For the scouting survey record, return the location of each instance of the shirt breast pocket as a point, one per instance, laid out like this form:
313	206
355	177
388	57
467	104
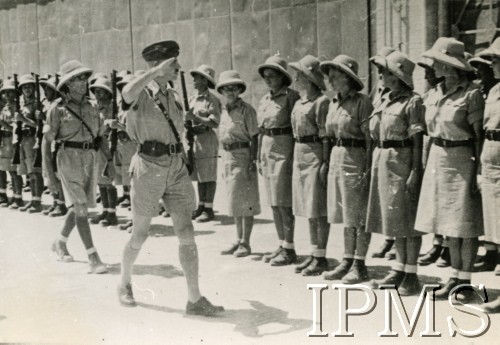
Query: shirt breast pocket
394	122
453	112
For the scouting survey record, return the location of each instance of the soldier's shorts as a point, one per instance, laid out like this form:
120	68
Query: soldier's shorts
78	173
164	178
27	157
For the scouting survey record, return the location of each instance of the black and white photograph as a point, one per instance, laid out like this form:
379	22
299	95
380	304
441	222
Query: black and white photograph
249	172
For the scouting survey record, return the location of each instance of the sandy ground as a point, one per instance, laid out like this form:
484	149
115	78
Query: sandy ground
43	301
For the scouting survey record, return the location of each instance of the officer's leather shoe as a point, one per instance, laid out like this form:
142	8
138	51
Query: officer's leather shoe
203	307
393	278
50	209
36	207
487	262
431	256
357	274
243	250
341	270
196	213
316	267
62	252
231	249
386	246
444	259
99	217
59	211
26	207
443	293
3	199
126	296
300	267
206	216
492	307
270	256
286	257
110	220
410	285
17	203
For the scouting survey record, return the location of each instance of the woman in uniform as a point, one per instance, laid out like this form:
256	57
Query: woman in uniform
276	154
350	162
310	161
238	135
204	111
450	203
7	122
397	125
490	160
77	127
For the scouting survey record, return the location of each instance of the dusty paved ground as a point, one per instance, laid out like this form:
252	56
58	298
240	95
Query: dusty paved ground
49	302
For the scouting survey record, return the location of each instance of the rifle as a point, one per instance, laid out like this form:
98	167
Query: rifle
113	136
39	127
16	159
57	146
188	125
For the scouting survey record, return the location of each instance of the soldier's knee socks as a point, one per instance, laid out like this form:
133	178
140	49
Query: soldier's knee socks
112	198
103	190
210	191
3	181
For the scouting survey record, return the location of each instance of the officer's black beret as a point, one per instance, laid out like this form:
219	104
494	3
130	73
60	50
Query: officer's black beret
161	51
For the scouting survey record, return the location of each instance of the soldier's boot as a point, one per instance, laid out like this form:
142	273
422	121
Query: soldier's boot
492	307
444	259
97	219
393	278
16	203
59	211
206	216
270	256
286	257
340	271
487	262
51	208
442	294
431	256
357	274
196	213
316	267
410	285
26	207
110	220
36	207
386	246
103	190
300	267
4	200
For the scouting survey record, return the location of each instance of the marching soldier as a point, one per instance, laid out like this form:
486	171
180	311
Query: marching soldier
78	128
58	208
155	121
28	117
7	119
101	88
205	109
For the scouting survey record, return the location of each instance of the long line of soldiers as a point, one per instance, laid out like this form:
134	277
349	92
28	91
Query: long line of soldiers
348	160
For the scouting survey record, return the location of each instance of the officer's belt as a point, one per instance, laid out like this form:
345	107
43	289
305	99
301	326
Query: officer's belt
387	144
450	143
157	149
28	131
277	131
235	146
6	133
308	139
493	135
347	142
85	145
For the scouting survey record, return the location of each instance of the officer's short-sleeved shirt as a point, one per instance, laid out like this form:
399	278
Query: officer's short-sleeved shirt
206	105
309	116
238	123
275	110
399	116
62	125
348	117
449	115
492	109
145	120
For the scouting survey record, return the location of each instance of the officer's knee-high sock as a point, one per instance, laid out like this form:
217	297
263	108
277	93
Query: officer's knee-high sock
455	245
201	193
104	197
362	243
39	184
112	198
3	182
350	238
323	232
313	232
69	223
17	184
188	256
468	253
210	191
131	250
278	223
82	224
32	179
413	245
288	223
401	250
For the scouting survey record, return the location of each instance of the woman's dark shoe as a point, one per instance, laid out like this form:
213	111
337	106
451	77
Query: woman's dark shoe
126	296
410	285
340	271
300	267
317	266
386	246
392	278
444	292
431	256
286	257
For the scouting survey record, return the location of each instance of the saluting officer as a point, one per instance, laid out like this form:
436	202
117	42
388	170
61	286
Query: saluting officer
155	121
26	167
205	110
7	119
78	128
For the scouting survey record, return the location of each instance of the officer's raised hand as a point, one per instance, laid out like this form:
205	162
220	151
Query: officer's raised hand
168	68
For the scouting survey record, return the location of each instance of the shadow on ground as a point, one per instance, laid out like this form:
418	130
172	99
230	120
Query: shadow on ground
165	271
248	321
2	317
226	220
160	230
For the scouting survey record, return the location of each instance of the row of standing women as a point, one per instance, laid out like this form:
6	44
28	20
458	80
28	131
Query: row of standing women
349	161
